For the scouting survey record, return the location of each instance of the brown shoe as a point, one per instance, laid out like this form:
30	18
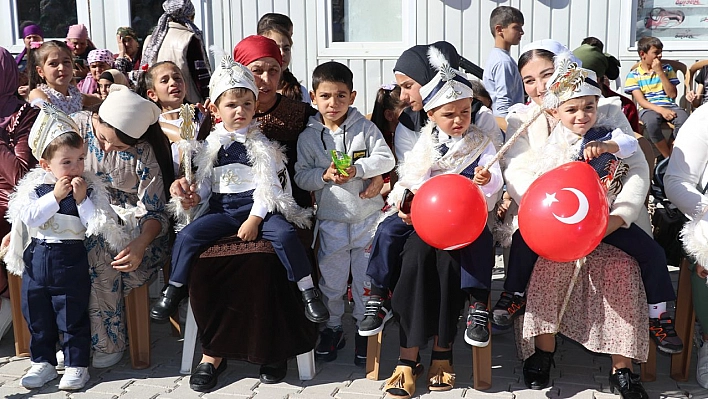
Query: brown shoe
401	385
441	376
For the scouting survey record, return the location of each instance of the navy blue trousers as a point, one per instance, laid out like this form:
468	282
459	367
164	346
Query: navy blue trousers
476	260
226	214
633	241
55	296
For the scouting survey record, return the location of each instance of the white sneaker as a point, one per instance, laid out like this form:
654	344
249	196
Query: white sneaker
5	316
104	360
38	375
74	378
702	366
60	360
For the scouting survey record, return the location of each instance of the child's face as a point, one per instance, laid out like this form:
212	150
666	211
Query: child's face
333	100
285	46
578	114
453	118
236	111
650	55
78	46
66	162
103	86
169	90
512	33
57	69
97	68
410	91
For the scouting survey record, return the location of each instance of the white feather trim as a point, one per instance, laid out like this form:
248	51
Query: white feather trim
694	236
218	52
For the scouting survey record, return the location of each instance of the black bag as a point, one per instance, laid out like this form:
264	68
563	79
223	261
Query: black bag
667	220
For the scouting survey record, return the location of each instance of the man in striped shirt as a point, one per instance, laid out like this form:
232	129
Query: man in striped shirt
653	87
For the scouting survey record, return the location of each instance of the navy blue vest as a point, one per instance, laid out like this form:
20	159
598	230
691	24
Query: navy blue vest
602	163
67	206
236	153
468	172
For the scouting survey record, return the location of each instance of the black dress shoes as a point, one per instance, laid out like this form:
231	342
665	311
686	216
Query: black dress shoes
273	373
315	310
205	376
167	304
537	369
628	384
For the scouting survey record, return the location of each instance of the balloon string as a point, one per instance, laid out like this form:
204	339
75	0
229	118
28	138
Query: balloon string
522	129
578	265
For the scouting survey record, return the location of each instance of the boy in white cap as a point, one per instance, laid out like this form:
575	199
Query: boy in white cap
240	179
53	209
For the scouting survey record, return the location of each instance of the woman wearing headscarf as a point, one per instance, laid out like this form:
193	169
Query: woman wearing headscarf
16	119
30	33
177	39
129	51
127	150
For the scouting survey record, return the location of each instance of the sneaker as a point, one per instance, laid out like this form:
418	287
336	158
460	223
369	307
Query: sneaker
330	341
38	375
662	331
377	312
5	316
702	365
74	378
508	307
361	343
477	331
105	360
60	361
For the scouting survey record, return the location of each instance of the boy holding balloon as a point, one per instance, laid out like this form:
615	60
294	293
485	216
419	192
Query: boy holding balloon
449	144
572	98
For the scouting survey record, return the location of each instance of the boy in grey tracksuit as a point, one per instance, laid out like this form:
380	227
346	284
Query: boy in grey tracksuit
346	212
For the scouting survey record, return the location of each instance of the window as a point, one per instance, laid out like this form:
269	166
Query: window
365	27
144	15
54	17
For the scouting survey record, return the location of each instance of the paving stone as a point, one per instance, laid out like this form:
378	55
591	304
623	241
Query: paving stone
369	387
471	393
217	395
92	395
354	395
306	396
322	388
142	392
520	391
115	387
183	391
164	382
453	393
15	369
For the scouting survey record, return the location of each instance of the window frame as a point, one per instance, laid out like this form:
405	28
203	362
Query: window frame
82	16
327	48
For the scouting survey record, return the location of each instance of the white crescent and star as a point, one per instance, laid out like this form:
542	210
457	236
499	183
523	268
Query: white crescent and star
579	215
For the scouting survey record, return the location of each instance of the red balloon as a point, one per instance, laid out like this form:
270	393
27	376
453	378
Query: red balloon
449	212
564	214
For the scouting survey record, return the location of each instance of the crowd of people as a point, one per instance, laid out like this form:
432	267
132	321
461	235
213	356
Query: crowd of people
116	165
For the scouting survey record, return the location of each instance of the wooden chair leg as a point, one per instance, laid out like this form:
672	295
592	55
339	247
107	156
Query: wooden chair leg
648	372
482	362
19	325
373	356
685	321
137	305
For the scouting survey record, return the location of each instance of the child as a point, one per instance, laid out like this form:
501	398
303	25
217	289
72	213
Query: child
700	95
345	215
107	79
578	136
238	176
653	87
501	74
51	73
451	135
99	61
58	207
77	39
387	107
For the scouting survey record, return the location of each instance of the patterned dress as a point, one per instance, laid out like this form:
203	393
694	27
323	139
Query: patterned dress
67	104
135	184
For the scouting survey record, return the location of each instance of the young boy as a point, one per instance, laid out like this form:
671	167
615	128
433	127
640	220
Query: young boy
501	74
239	183
611	153
653	87
346	214
700	95
57	207
450	135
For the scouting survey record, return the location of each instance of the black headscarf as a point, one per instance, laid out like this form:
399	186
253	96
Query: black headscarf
414	64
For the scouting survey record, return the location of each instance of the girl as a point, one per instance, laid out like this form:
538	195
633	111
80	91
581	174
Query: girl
164	84
107	79
99	61
288	86
50	74
385	116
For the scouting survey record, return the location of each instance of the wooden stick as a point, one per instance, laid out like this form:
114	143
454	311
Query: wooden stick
522	129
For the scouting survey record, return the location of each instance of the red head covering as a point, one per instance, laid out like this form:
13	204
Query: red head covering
254	47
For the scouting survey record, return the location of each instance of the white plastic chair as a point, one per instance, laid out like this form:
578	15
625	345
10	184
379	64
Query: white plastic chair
305	361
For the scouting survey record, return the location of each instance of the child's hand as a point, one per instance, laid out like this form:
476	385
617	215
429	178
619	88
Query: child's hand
481	176
373	189
503	206
656	66
690	95
341	179
249	229
78	184
594	149
667	114
181	188
62	188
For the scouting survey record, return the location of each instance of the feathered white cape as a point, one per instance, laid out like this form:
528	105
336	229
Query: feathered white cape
104	222
260	151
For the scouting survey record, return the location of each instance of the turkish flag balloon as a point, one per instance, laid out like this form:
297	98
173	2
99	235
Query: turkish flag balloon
449	212
563	215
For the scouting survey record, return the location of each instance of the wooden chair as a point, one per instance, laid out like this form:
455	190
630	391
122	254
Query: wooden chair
685	320
691	71
137	308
